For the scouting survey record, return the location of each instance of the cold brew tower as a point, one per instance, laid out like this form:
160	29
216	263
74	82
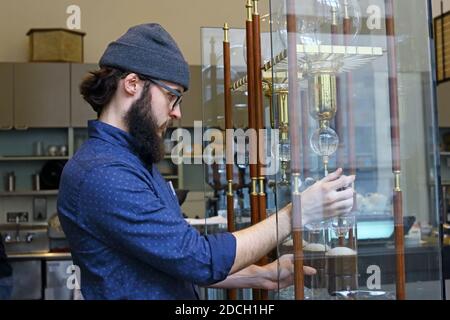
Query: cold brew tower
340	86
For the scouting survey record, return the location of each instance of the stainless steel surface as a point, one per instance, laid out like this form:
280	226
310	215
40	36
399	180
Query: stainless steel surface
57	275
20	238
27	280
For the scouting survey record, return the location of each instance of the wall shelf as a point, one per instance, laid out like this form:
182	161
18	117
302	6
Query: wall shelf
29	193
30	158
171	177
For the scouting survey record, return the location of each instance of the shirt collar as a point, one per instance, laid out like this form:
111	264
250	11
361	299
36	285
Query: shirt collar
111	134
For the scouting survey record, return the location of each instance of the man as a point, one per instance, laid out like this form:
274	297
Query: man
123	221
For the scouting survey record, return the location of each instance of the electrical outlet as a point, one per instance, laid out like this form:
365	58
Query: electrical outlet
12	216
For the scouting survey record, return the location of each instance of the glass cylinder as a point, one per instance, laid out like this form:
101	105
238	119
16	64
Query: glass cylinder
314	256
342	259
322	96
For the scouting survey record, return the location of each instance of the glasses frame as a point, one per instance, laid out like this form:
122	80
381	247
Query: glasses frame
175	92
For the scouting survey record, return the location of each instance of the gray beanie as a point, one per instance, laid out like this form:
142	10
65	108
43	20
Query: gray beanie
149	50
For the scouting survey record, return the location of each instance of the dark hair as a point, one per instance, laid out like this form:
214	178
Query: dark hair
98	87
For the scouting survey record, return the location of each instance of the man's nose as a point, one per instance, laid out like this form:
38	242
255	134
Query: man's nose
176	112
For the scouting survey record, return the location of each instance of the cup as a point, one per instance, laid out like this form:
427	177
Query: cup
63	150
38	148
52	151
36	182
11	182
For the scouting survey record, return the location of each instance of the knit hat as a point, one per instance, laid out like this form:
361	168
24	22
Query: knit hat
149	50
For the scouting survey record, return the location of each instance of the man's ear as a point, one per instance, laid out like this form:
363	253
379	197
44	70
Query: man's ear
131	84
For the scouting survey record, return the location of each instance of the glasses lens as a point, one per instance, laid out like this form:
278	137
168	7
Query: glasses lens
177	96
177	102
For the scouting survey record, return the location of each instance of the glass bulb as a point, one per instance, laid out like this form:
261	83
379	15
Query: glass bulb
341	225
324	141
352	10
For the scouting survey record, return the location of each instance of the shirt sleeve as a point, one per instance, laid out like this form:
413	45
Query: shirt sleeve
123	210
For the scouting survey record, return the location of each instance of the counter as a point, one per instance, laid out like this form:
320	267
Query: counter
43	256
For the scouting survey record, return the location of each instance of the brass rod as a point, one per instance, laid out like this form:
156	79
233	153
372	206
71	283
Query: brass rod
259	120
254	205
249	7
225	32
294	125
232	293
395	146
305	141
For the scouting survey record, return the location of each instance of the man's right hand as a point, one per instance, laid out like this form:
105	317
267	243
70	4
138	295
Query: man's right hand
320	201
323	200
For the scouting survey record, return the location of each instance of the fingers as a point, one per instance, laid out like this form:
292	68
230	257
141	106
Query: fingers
333	176
287	261
342	207
287	256
343	195
341	182
309	271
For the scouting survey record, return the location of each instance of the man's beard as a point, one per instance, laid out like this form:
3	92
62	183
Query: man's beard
142	126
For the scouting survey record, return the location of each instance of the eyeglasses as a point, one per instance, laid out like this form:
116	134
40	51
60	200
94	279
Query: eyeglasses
175	96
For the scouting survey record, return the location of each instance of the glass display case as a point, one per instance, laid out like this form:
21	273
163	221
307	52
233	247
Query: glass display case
310	86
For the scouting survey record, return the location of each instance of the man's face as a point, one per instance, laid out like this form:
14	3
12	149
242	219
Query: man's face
164	106
148	119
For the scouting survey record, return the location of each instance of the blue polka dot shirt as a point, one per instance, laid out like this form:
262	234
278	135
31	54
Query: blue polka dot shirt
125	227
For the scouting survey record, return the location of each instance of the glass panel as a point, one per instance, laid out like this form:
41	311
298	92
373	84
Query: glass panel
341	89
213	126
363	102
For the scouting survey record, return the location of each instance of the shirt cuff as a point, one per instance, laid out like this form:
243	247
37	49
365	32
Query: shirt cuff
223	253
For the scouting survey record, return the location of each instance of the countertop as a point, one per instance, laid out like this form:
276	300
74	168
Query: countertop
44	256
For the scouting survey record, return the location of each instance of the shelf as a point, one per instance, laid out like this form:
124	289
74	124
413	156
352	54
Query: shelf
168	156
349	57
30	158
445	153
29	193
170	177
45	256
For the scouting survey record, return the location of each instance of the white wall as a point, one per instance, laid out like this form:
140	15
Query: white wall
106	20
436	6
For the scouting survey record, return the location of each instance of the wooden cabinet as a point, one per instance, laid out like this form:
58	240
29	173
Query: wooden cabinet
443	103
46	95
41	95
191	107
80	110
6	96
